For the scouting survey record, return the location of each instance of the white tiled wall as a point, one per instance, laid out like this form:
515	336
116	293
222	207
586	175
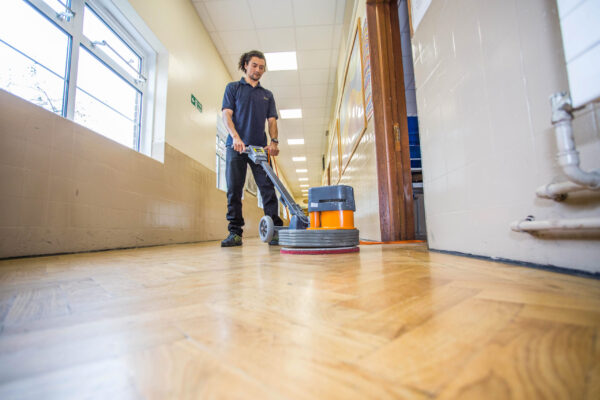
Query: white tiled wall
581	40
484	72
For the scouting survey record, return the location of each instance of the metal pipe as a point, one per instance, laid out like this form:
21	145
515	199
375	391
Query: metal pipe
568	156
558	191
529	224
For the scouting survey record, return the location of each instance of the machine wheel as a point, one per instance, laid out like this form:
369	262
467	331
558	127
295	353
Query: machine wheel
266	229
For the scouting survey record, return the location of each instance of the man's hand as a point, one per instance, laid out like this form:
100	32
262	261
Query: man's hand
272	149
238	145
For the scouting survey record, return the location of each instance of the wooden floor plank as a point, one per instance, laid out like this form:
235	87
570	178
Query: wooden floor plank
201	321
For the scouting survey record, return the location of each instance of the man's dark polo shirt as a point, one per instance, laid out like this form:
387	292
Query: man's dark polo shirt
251	107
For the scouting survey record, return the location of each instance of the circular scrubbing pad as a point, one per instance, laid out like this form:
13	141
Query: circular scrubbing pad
313	250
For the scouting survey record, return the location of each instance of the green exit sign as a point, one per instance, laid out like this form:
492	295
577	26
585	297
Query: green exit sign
196	103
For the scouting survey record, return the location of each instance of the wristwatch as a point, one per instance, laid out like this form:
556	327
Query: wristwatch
275	141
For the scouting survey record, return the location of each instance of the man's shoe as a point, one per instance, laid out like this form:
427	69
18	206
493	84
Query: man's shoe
275	240
232	240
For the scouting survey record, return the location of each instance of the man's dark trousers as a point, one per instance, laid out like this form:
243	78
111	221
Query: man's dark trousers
237	165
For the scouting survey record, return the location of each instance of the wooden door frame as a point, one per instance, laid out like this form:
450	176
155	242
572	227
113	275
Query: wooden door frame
390	122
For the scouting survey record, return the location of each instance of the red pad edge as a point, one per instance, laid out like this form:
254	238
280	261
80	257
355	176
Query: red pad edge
320	251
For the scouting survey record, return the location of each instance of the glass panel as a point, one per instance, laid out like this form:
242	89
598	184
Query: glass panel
222	177
105	102
28	31
98	117
34	56
58	5
30	81
96	30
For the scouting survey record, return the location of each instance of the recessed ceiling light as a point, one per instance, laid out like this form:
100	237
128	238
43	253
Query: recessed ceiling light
303	185
298	159
291	113
301	170
302	179
282	61
304	190
295	141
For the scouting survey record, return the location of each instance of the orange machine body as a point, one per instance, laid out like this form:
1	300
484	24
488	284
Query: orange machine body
336	219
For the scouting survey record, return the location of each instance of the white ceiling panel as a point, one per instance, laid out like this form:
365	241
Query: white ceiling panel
314	90
314	113
272	13
230	15
283	78
314	37
232	64
313	59
289	103
275	40
216	39
239	42
334	55
339	13
314	76
332	75
305	15
337	34
308	102
286	91
204	16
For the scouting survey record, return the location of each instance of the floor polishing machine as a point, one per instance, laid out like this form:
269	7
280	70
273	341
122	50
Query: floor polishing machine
329	228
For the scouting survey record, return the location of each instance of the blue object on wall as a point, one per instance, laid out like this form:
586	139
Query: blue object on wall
414	144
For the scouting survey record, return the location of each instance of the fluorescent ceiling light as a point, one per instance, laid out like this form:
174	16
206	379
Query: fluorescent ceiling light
303	185
301	170
298	159
295	141
291	113
304	190
282	61
302	179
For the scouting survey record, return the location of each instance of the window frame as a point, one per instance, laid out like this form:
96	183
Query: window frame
122	20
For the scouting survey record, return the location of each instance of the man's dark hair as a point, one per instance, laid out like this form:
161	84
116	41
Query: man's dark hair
246	57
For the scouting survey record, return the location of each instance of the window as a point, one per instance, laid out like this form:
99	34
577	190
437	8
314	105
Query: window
83	60
221	151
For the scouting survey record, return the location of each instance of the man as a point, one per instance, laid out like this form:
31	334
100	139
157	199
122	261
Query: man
246	107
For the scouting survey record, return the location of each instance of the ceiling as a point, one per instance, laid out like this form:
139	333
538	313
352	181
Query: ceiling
311	28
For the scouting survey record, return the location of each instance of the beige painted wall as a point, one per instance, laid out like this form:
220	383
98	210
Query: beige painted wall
194	67
361	172
64	188
484	73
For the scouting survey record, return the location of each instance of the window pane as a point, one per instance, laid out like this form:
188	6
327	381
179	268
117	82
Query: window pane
105	102
25	29
28	80
97	31
222	176
34	56
98	117
58	5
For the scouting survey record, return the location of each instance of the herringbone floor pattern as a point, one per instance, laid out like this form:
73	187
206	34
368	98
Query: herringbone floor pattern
197	321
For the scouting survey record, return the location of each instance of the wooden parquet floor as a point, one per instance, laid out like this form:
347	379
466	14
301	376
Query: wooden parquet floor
197	321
